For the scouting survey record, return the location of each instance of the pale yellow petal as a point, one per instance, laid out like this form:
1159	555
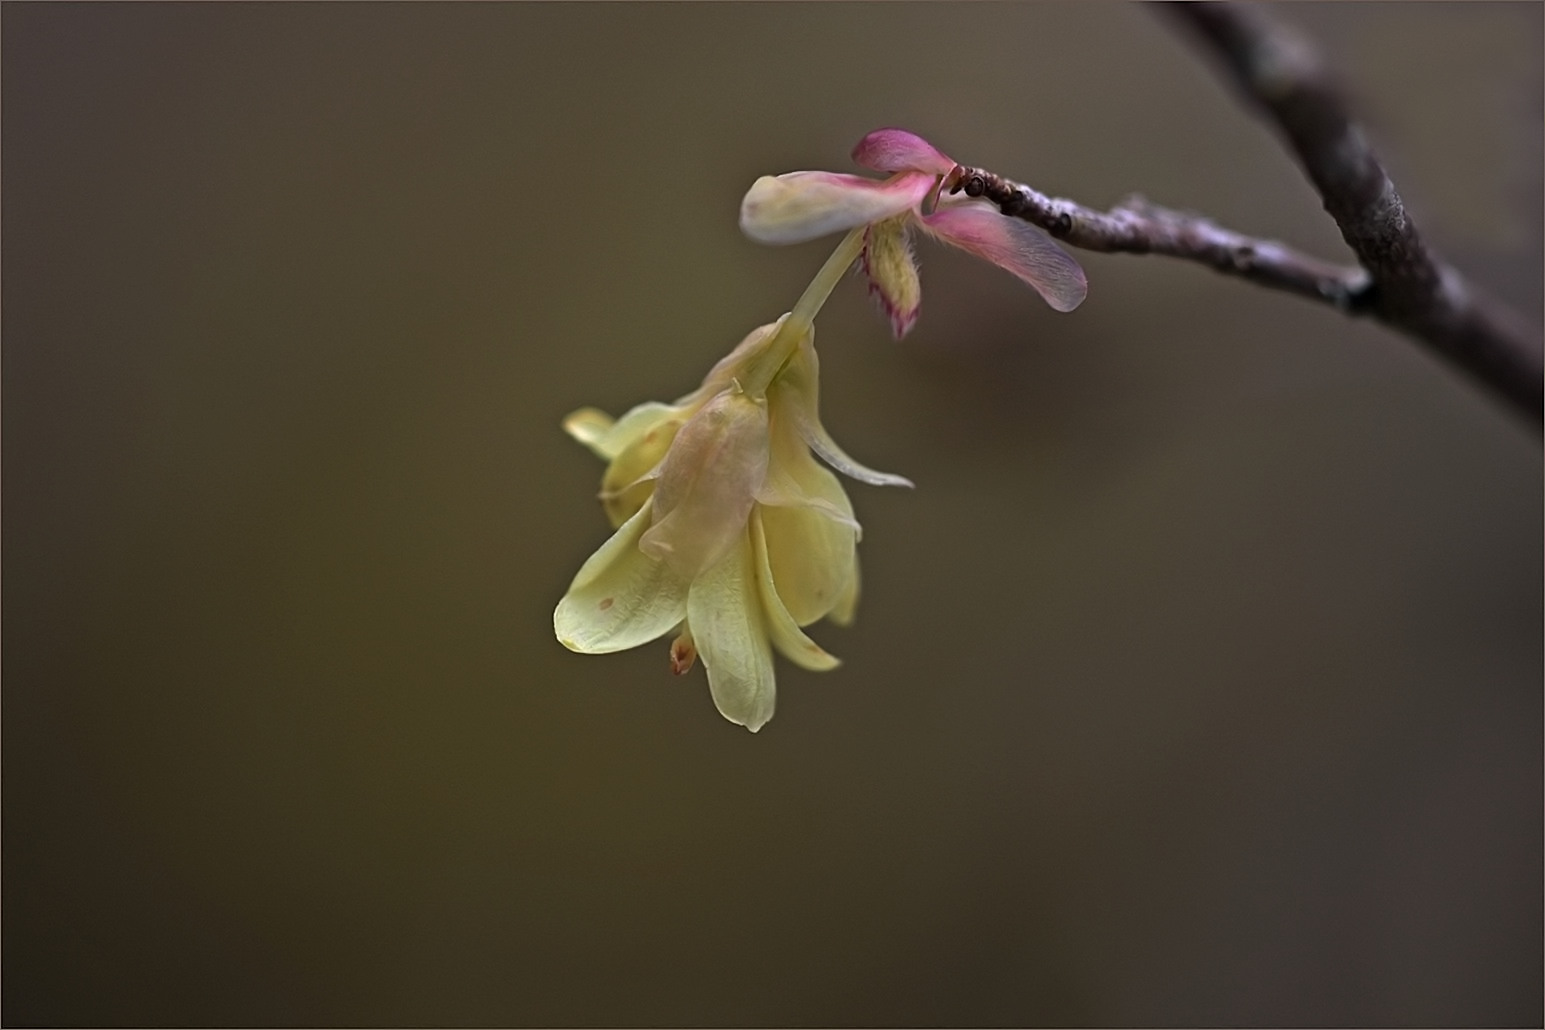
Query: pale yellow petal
632	445
627	430
621	597
811	558
621	505
731	638
786	635
808	522
628	480
589	426
847	602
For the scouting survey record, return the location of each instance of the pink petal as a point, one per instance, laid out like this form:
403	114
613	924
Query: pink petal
801	206
897	150
1014	246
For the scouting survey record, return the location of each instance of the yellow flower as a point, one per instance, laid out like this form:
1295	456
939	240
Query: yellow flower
727	528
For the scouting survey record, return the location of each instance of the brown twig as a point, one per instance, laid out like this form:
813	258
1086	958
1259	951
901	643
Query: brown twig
1412	289
1137	227
1401	282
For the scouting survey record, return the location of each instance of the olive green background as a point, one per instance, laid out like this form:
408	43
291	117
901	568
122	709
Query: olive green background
1198	681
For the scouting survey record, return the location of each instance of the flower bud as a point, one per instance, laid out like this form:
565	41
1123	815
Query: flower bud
892	271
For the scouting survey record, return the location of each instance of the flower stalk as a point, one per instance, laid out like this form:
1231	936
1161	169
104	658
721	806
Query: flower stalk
800	321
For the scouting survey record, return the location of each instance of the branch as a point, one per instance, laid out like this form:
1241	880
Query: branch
1401	282
1137	227
1413	290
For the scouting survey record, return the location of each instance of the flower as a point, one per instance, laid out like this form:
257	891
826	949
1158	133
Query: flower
799	206
727	528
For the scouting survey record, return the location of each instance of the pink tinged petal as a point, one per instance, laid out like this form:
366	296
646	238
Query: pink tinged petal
897	150
785	633
707	484
731	638
621	597
892	272
1016	247
801	206
800	380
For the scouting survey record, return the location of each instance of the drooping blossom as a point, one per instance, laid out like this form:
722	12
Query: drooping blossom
728	531
799	206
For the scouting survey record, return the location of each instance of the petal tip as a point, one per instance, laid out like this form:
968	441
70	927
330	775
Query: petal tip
756	212
799	206
1071	297
901	319
588	425
898	150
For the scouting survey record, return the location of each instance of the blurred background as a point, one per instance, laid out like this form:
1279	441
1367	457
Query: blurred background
1198	681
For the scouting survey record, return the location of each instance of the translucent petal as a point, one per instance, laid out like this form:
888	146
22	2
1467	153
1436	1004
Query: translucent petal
801	206
708	482
897	150
786	635
810	538
1016	247
728	631
621	597
780	496
800	378
892	273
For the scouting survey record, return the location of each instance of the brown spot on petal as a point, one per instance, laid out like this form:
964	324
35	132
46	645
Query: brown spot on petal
606	602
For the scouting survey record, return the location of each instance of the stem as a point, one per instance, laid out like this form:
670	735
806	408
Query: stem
799	323
802	318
